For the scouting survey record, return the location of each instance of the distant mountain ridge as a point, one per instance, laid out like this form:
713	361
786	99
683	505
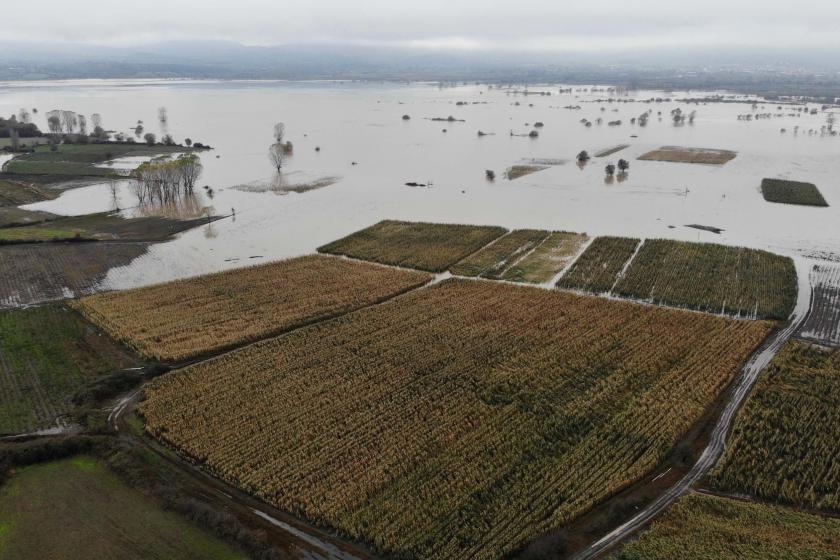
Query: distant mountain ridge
803	72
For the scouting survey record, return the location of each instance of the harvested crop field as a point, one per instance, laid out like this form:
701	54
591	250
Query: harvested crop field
520	170
46	355
677	154
823	322
457	421
548	259
34	273
77	508
211	313
493	260
784	443
432	247
792	192
597	269
702	527
712	278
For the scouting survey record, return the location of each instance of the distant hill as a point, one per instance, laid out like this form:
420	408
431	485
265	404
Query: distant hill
811	72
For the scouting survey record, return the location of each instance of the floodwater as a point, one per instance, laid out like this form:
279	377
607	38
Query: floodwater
355	132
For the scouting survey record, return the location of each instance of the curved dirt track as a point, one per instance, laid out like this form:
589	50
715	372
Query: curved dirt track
717	443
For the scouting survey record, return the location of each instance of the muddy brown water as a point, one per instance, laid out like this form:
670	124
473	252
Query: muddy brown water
363	140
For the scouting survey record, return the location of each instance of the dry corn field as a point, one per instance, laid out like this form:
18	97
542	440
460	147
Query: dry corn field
548	259
701	527
456	421
823	322
713	278
493	260
432	247
785	441
197	316
597	269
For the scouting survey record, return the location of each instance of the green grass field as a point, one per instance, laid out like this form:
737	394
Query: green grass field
784	443
46	355
81	159
701	527
792	192
14	193
76	508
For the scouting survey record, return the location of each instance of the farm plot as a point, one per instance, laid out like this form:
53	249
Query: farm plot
520	170
548	259
455	422
36	273
713	278
100	226
15	193
211	313
46	355
597	269
677	154
492	261
432	247
610	151
784	444
701	527
823	322
77	508
792	192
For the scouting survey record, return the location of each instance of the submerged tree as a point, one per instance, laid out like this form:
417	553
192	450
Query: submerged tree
150	138
165	180
610	170
623	165
279	132
275	155
163	115
82	125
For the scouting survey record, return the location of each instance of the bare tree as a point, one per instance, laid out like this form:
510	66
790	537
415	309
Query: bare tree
279	132
13	133
82	125
69	121
54	121
150	138
275	155
163	116
138	130
96	120
23	116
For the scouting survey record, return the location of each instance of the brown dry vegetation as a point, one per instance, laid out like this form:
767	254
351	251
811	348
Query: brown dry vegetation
432	247
677	154
517	171
197	316
458	421
701	527
493	260
548	259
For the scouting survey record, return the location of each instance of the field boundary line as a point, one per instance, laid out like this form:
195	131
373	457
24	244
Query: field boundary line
556	278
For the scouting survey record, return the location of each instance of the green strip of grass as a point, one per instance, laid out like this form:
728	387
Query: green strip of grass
76	508
792	192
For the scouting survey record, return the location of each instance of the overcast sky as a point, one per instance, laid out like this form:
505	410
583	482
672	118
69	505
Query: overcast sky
465	24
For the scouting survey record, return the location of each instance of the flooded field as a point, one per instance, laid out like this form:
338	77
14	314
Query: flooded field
355	135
